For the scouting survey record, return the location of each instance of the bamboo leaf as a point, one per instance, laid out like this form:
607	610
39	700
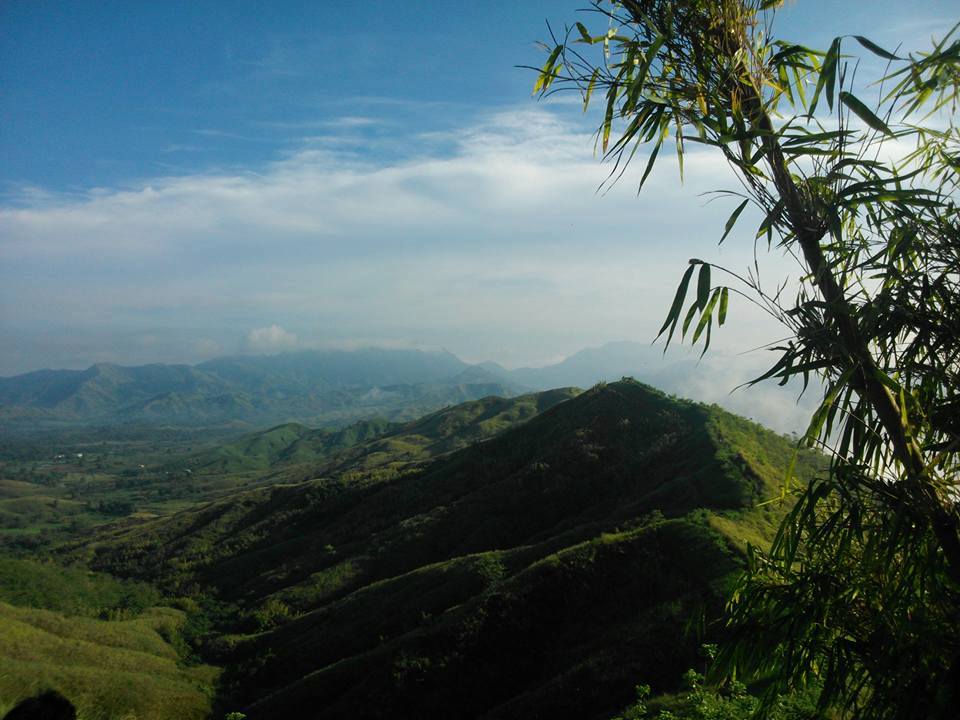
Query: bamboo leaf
548	73
705	317
608	117
828	71
864	113
651	55
703	286
820	152
806	138
732	220
706	342
674	315
834	58
781	364
766	227
722	312
584	34
589	90
650	162
875	49
799	85
691	313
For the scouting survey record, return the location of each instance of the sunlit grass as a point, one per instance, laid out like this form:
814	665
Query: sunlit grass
108	669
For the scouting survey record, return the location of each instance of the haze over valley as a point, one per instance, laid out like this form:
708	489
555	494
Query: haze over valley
334	387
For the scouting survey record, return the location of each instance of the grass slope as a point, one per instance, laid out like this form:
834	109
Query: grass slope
541	573
107	669
98	640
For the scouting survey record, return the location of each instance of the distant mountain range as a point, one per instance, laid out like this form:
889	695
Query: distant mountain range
335	388
324	388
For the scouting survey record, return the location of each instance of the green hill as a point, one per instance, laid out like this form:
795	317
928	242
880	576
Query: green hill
542	573
294	451
98	641
290	443
445	431
53	488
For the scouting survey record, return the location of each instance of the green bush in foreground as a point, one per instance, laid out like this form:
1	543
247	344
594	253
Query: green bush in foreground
703	702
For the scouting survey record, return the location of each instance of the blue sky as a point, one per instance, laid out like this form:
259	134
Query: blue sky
103	93
180	180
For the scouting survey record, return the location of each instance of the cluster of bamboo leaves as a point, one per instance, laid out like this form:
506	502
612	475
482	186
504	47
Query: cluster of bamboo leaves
861	590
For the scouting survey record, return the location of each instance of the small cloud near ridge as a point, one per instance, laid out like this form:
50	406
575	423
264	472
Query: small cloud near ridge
270	339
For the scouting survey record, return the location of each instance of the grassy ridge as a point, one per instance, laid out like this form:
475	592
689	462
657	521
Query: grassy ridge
56	487
295	452
287	444
551	567
269	538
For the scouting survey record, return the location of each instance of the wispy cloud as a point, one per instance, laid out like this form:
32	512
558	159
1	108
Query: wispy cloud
341	122
179	148
228	135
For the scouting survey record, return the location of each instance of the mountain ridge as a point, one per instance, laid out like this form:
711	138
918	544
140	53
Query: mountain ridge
489	582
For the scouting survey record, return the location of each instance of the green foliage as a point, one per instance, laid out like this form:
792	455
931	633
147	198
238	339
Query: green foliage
860	589
287	444
98	640
702	702
270	614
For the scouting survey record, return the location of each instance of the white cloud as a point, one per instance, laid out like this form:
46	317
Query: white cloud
272	339
525	167
489	240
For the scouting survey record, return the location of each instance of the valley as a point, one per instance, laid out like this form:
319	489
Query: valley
529	556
